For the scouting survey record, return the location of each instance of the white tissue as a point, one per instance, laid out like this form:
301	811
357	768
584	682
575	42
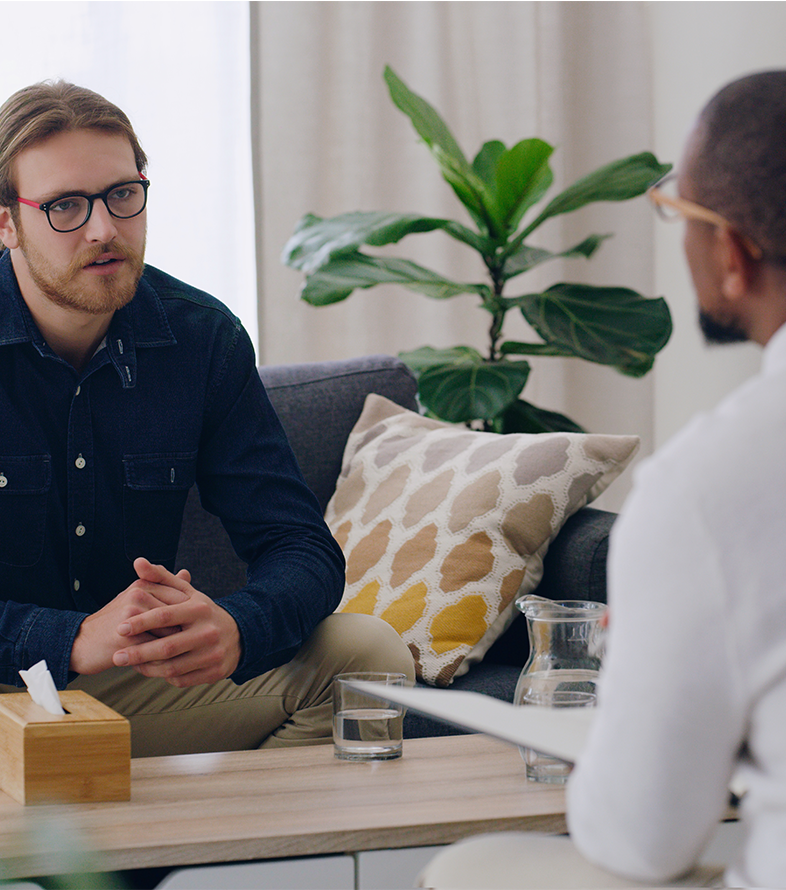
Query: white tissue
42	688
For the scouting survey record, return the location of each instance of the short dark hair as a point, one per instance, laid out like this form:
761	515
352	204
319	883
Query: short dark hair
738	166
35	113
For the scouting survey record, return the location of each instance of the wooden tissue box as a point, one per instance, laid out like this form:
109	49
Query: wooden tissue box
83	755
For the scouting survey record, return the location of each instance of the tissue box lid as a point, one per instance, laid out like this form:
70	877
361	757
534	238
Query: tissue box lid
21	709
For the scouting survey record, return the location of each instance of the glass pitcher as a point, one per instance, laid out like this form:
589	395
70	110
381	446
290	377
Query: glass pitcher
566	647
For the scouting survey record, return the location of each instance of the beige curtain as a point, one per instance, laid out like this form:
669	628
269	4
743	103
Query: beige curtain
329	140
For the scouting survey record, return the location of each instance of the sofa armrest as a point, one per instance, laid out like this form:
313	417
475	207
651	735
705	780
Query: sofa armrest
574	569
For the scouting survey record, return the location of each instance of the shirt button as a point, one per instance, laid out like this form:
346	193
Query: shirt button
80	530
78	390
80	463
77	585
3	481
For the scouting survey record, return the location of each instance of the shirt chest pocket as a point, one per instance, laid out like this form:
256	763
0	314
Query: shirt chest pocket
154	495
24	491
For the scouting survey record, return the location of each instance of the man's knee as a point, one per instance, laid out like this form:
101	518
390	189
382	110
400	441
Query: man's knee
365	643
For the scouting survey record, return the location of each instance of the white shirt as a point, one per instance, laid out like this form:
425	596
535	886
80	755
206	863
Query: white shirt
696	657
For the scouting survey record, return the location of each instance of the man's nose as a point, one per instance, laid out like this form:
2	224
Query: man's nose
101	225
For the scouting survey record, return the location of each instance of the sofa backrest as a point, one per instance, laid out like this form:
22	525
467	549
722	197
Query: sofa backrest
318	403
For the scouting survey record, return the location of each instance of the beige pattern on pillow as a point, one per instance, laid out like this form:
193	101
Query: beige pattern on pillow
443	527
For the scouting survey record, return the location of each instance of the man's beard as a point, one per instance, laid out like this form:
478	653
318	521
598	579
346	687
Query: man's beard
98	295
720	332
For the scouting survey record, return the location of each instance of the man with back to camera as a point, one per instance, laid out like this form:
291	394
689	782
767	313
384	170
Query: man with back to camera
119	388
694	682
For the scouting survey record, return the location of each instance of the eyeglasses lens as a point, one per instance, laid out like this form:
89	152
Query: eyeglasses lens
68	213
126	200
667	192
72	212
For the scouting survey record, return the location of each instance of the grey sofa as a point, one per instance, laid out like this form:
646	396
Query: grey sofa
318	404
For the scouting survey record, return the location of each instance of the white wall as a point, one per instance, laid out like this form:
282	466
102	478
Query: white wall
696	48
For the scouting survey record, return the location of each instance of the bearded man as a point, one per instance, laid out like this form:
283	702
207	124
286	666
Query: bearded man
120	388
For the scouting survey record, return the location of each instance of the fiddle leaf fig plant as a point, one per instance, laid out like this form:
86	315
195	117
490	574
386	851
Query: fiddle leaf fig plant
609	325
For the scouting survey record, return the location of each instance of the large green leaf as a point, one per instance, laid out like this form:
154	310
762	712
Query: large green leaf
426	357
336	280
515	179
425	119
486	160
526	258
554	350
609	325
470	189
522	178
618	181
469	388
524	417
316	240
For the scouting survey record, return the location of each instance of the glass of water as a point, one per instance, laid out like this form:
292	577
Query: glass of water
365	727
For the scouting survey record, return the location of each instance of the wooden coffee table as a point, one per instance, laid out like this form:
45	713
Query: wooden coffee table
251	805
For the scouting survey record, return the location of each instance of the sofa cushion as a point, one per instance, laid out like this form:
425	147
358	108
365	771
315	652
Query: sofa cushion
443	527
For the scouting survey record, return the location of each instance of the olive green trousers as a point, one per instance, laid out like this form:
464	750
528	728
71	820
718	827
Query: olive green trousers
289	705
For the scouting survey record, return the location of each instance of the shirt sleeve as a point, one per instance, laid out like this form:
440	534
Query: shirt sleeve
653	780
31	633
248	476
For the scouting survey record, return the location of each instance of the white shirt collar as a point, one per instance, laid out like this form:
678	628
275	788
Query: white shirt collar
775	351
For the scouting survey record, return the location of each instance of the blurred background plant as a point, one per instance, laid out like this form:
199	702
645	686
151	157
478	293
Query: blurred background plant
613	326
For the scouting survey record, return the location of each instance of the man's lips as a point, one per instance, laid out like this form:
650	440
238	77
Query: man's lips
105	264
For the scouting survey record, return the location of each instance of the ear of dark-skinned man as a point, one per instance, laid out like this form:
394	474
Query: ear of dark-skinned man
739	270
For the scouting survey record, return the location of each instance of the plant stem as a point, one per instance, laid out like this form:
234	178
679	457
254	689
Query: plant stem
495	331
497	312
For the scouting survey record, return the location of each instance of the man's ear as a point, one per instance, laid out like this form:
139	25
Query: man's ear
739	268
8	233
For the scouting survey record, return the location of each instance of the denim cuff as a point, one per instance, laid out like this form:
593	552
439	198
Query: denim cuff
49	634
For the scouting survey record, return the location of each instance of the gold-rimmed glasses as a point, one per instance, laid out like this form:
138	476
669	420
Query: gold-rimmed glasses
672	207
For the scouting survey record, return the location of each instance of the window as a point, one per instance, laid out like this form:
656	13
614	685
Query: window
180	70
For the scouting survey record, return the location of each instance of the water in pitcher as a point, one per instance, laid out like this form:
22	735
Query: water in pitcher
555	689
541	686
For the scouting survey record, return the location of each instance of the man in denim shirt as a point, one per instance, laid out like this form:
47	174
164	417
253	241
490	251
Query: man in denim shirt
119	388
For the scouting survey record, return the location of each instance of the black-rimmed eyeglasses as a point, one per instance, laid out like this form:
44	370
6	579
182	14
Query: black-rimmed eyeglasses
70	212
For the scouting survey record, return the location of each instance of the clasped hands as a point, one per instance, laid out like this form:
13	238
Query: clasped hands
162	627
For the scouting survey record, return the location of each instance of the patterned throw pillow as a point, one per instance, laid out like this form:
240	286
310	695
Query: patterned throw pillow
443	527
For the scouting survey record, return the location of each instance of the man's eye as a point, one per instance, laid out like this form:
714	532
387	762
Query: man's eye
65	205
121	194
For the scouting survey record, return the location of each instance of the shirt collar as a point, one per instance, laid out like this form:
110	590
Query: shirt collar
774	357
142	323
16	323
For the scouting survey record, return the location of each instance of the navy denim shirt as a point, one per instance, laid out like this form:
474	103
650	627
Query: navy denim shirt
95	467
